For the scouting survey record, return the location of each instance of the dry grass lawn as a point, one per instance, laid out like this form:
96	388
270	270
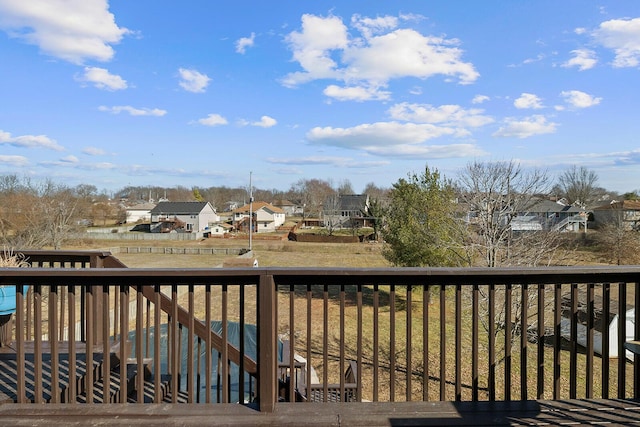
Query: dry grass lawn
269	253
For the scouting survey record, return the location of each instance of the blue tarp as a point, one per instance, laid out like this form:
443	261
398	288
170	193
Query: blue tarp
8	299
233	334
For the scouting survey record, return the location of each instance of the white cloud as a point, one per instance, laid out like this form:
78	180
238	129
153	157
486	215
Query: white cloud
537	58
29	141
70	159
13	160
193	81
479	99
528	101
448	115
342	162
93	151
243	43
380	133
117	109
312	48
428	151
311	160
356	93
623	37
392	139
530	126
578	99
73	30
371	26
265	122
375	59
584	59
213	120
102	79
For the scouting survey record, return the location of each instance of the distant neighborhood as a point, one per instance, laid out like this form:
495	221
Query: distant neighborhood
202	219
353	211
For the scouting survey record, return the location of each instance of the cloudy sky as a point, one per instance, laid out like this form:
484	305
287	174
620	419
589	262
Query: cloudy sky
201	93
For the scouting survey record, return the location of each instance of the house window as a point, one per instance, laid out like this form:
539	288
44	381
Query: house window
189	227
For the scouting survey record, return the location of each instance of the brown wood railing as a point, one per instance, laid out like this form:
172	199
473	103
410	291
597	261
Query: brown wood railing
401	334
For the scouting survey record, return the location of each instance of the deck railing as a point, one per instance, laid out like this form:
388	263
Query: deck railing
353	334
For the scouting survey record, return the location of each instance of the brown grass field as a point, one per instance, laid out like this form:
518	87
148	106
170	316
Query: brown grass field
269	253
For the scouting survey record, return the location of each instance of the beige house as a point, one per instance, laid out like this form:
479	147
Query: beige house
266	217
139	212
626	211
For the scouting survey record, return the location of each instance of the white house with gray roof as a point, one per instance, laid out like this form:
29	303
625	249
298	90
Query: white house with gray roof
183	217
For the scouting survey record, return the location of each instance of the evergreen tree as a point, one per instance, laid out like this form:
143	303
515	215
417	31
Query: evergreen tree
421	226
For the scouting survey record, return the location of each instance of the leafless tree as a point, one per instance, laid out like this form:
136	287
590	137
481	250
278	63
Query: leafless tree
579	186
494	193
345	187
38	215
619	240
378	193
331	213
311	193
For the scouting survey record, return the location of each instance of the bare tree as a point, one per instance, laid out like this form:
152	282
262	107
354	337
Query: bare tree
54	213
345	187
494	193
37	215
579	186
619	240
331	213
311	193
375	192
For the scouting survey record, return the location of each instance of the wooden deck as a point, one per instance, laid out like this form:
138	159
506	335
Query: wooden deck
8	376
574	412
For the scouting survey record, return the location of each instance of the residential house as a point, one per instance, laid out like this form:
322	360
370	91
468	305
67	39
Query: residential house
551	216
266	217
288	207
139	212
626	211
189	217
346	211
218	230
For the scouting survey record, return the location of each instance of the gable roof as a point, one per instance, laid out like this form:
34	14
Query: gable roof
349	202
179	208
282	202
147	206
627	205
550	206
257	206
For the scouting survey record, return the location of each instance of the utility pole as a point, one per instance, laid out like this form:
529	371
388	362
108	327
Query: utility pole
250	211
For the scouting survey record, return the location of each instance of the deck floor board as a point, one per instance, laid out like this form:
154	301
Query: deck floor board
578	412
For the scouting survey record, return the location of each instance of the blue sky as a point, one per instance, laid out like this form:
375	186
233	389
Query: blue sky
201	93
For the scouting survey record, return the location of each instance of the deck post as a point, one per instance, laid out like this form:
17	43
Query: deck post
267	330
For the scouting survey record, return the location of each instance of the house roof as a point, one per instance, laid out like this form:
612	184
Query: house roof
282	202
141	207
627	205
257	206
551	206
353	202
179	208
